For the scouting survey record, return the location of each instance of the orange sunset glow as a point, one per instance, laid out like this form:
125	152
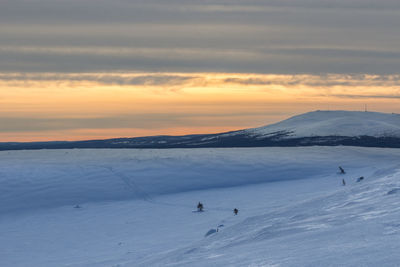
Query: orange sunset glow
75	70
49	106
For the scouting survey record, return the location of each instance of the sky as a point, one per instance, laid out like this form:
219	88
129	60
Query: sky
80	69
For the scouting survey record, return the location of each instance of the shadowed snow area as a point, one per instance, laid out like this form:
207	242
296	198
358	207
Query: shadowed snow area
136	207
51	178
335	123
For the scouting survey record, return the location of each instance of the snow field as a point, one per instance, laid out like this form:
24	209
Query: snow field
136	207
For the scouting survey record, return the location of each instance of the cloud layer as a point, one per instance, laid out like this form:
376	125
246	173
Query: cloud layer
183	80
285	36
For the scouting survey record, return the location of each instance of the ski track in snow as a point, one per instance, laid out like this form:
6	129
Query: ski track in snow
136	207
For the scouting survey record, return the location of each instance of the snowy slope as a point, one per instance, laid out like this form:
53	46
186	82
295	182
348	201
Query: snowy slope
334	123
52	178
357	225
136	207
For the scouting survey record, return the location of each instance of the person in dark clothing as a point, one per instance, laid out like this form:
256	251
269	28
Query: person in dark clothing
360	179
235	211
200	207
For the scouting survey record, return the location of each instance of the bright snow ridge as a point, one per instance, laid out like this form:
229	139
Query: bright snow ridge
334	123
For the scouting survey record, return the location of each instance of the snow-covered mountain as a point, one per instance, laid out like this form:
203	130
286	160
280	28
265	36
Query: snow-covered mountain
327	128
333	123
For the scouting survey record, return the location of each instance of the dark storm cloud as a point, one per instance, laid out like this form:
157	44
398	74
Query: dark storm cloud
280	36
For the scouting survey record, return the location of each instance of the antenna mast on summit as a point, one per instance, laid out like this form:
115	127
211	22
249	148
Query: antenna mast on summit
365	108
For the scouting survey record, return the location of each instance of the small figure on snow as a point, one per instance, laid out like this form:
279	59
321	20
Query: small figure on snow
235	211
77	206
341	170
360	179
343	182
200	207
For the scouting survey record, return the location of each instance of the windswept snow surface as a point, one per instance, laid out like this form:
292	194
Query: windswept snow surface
334	123
136	207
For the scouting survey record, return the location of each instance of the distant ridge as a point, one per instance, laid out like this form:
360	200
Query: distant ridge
323	128
336	123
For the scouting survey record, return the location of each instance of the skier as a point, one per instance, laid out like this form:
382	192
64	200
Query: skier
360	179
341	170
235	211
200	207
343	182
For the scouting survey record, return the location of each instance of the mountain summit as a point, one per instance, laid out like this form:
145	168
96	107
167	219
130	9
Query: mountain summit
323	128
334	123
